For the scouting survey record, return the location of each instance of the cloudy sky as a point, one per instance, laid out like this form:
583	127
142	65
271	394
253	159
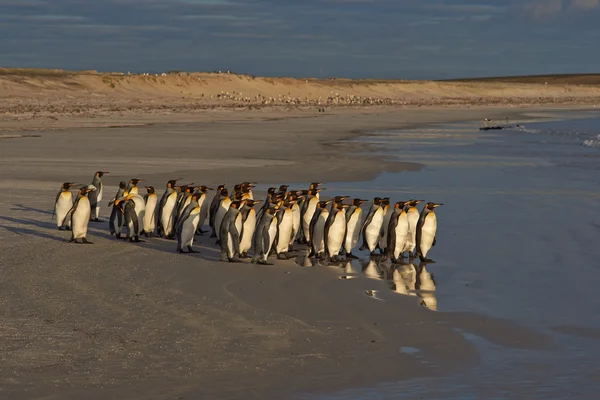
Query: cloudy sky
412	39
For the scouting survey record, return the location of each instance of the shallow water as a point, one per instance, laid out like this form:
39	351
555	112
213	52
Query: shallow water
517	238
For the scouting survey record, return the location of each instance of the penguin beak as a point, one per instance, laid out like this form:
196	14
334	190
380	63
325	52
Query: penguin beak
210	189
437	205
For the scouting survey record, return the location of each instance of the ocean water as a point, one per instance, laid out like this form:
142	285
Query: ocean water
517	238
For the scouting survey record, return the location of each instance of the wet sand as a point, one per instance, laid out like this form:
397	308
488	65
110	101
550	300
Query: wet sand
141	321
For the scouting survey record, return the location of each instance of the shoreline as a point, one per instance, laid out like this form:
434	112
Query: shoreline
190	325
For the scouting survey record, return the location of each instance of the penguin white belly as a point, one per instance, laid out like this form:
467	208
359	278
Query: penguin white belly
319	232
229	245
223	208
336	234
133	190
413	219
428	231
400	286
295	223
167	214
100	191
62	208
149	215
81	218
373	230
307	217
402	230
140	210
353	231
189	228
186	202
272	233
285	232
384	227
203	209
248	232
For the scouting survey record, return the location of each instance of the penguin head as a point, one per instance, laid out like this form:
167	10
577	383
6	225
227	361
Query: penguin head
237	188
315	185
204	189
251	203
224	192
99	174
122	185
283	188
220	187
135	181
67	185
196	196
377	201
400	204
323	204
357	202
385	201
431	205
413	202
171	184
150	189
237	204
271	190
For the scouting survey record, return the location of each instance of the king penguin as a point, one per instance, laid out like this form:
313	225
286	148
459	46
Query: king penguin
285	221
188	223
264	236
229	236
150	199
164	216
222	209
214	207
354	221
96	196
201	190
399	235
372	227
309	206
387	214
426	231
317	230
120	193
80	216
412	213
115	223
62	205
335	231
248	217
132	217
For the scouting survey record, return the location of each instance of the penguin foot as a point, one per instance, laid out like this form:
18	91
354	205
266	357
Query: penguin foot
95	220
68	228
136	240
363	248
84	240
261	262
170	237
373	254
350	256
235	260
60	228
190	250
426	260
180	251
244	255
301	241
282	256
213	235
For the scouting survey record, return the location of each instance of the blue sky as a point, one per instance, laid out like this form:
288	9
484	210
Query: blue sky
412	39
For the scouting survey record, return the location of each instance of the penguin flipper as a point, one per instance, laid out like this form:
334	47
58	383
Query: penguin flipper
434	240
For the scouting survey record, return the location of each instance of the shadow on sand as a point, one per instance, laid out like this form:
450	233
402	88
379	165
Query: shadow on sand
23	208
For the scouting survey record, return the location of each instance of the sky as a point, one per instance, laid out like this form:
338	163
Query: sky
380	39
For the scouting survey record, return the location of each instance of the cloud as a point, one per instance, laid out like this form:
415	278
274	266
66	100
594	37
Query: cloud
585	4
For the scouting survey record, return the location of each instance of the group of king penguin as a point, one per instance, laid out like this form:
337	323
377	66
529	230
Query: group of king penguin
329	228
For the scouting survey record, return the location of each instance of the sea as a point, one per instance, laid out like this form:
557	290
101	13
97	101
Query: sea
518	238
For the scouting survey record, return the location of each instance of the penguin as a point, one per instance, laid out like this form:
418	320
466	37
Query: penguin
248	216
150	201
264	236
309	207
372	227
412	213
80	216
282	190
201	190
387	214
132	186
188	223
139	209
284	230
354	220
399	234
183	199
164	216
296	219
117	217
335	231
212	209
131	216
62	205
224	204
229	236
247	188
96	196
426	231
317	230
336	199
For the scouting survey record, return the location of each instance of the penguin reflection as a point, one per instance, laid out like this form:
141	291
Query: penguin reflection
425	287
404	278
373	269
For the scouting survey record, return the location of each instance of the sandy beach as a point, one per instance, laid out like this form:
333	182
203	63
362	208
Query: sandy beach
139	321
